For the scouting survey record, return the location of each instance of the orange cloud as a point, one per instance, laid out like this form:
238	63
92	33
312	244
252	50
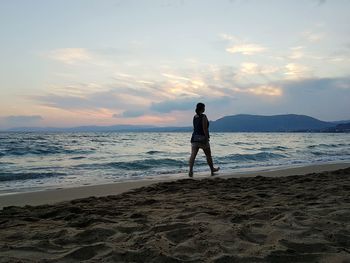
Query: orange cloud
296	71
246	49
264	90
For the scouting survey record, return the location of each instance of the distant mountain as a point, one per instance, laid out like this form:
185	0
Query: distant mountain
169	129
110	128
275	123
343	127
119	128
235	123
341	122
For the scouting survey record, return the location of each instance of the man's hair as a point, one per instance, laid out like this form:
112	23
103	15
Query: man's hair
200	107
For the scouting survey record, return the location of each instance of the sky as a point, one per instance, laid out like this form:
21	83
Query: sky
67	63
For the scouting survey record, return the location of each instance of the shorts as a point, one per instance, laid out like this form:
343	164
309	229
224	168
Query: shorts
200	145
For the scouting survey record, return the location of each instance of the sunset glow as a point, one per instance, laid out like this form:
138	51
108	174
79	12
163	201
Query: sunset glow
150	62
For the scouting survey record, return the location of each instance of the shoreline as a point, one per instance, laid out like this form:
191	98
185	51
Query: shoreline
67	194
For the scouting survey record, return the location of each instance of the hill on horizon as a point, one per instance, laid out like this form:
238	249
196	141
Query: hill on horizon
274	123
233	123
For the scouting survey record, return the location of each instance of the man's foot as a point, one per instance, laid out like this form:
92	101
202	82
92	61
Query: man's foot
190	174
214	171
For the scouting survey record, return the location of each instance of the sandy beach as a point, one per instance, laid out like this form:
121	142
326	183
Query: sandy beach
290	215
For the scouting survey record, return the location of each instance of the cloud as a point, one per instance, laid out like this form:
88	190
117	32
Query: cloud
229	37
187	84
321	2
110	99
185	104
266	90
246	49
320	84
237	45
249	68
261	90
173	92
64	101
172	105
77	89
324	98
296	53
130	114
296	71
22	120
177	90
70	55
171	76
318	97
312	36
343	84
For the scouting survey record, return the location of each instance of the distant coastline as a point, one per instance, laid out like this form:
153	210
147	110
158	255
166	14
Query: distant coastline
234	123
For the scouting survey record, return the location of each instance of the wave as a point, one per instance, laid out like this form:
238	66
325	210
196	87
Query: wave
276	148
153	152
261	156
323	145
98	140
41	150
138	164
99	157
78	158
243	143
6	163
331	153
27	176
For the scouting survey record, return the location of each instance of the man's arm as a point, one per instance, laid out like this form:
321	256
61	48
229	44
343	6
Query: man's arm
205	127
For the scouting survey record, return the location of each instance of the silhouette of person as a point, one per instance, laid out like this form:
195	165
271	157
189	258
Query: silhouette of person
200	139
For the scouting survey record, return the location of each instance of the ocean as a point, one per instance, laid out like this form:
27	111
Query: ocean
40	161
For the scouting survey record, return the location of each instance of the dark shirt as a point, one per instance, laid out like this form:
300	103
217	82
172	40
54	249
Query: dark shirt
198	125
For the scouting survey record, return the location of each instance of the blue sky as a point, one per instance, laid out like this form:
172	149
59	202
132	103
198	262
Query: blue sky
67	63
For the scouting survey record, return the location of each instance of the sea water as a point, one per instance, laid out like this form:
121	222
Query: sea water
38	161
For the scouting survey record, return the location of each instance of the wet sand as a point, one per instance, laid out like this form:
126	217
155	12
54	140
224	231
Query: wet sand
66	194
276	218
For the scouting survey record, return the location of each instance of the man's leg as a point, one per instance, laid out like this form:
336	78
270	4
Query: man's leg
207	152
194	152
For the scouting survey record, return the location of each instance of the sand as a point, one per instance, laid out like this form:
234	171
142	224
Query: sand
297	218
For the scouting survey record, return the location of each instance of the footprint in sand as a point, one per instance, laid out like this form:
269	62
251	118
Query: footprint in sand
85	253
180	235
